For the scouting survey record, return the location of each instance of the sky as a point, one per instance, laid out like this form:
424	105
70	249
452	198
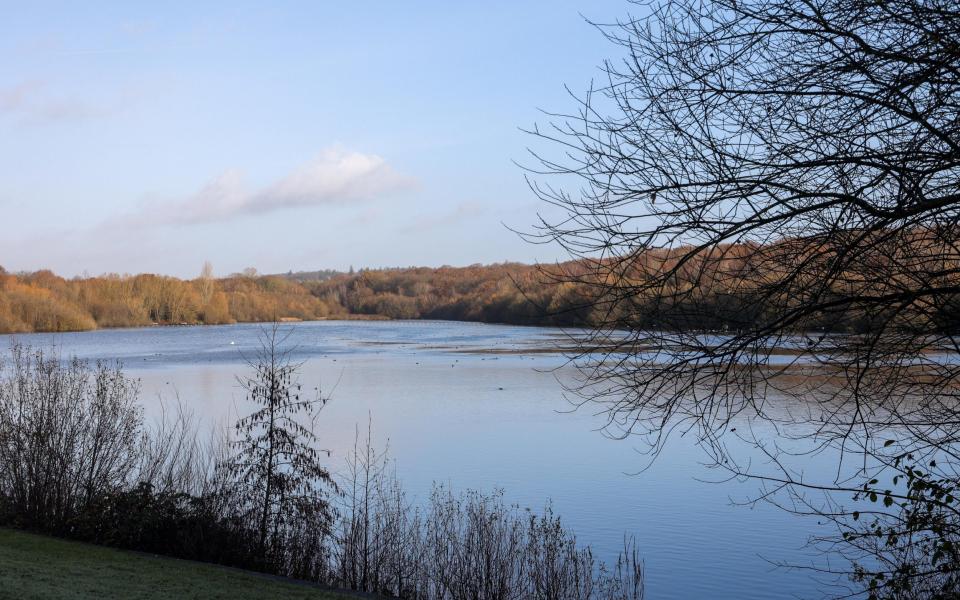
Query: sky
152	137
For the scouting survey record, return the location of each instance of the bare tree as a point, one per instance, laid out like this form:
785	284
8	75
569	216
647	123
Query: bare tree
207	283
278	462
68	433
762	197
462	546
76	459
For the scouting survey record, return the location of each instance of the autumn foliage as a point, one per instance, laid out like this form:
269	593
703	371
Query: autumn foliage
43	301
728	287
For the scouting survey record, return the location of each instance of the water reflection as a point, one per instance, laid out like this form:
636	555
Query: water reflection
457	413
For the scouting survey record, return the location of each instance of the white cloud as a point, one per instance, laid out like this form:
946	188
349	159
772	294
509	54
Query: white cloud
334	177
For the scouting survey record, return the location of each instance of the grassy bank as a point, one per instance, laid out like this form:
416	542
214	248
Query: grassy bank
41	567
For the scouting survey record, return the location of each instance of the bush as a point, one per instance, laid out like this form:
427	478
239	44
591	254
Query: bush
76	460
68	434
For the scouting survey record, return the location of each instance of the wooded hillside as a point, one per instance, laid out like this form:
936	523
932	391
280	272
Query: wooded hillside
723	288
43	301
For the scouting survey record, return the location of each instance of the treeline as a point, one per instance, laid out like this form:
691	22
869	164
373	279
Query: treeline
863	282
502	293
506	293
78	460
724	288
42	301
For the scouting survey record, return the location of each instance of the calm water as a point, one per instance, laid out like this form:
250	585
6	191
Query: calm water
480	406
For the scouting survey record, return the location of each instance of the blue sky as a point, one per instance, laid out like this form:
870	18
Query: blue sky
150	137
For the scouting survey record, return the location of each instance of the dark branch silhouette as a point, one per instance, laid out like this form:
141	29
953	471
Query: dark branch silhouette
747	180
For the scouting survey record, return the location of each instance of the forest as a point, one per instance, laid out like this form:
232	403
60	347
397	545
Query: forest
42	301
724	288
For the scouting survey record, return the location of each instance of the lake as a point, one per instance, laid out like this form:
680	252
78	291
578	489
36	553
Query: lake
482	406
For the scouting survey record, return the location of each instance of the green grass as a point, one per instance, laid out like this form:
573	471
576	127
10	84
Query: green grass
40	567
